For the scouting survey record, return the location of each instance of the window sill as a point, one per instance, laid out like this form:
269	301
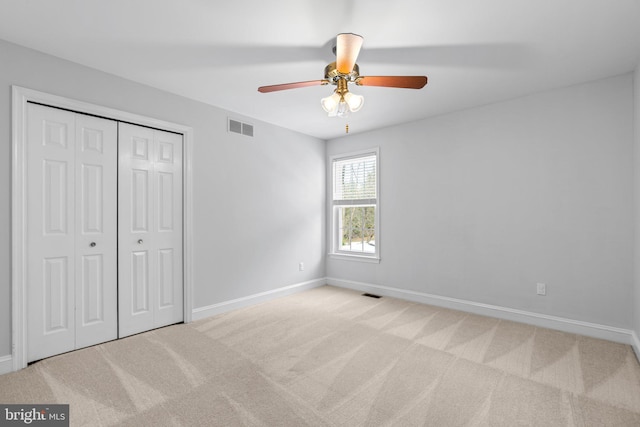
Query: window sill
359	258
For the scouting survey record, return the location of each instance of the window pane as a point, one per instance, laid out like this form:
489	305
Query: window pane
357	229
355	178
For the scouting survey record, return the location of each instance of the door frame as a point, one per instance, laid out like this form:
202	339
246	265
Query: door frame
20	97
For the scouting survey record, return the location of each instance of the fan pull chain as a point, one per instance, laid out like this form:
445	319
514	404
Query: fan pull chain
346	128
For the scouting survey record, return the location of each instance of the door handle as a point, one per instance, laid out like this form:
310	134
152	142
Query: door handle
139	241
92	244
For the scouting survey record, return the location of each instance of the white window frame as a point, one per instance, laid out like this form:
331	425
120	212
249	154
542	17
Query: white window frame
333	216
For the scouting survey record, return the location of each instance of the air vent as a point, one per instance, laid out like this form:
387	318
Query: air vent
236	126
247	129
371	295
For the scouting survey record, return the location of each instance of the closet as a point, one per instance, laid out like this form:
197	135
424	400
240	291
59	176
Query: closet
104	230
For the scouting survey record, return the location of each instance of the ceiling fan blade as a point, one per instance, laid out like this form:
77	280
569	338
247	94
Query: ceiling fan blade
347	49
285	86
407	82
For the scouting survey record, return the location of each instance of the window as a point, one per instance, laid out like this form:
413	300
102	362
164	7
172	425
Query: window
354	205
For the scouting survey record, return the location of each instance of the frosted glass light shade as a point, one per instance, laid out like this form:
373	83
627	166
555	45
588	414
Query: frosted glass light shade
342	105
330	102
355	102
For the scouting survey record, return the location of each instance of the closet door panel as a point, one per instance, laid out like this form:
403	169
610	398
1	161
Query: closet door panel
150	230
96	230
135	237
72	217
168	227
50	235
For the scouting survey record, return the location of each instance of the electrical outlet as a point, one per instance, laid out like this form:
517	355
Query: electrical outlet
301	266
542	289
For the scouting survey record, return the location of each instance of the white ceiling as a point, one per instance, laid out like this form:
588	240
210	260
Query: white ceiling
473	51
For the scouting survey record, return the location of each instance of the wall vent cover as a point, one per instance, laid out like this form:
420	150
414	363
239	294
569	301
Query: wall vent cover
236	126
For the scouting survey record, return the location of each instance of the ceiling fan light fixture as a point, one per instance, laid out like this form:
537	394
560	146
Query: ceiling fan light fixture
330	102
341	105
354	101
342	102
340	108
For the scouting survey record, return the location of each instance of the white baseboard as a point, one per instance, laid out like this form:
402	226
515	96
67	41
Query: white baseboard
6	364
624	336
635	343
225	306
594	330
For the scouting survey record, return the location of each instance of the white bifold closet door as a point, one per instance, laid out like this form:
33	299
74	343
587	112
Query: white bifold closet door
72	229
149	229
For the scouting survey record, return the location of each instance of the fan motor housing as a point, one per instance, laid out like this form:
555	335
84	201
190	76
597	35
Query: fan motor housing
332	74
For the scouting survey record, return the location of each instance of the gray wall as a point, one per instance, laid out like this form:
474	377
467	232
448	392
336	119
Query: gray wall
482	204
258	203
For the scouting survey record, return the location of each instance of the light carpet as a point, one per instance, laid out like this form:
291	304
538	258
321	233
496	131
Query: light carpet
331	357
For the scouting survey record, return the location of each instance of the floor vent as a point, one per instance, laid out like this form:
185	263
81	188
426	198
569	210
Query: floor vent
371	296
236	126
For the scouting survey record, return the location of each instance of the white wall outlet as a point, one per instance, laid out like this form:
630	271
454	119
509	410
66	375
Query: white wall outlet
301	266
541	289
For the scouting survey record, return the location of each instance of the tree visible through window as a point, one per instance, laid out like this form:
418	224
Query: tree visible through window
355	186
357	231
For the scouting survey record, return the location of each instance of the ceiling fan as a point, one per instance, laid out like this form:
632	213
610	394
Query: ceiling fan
344	71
